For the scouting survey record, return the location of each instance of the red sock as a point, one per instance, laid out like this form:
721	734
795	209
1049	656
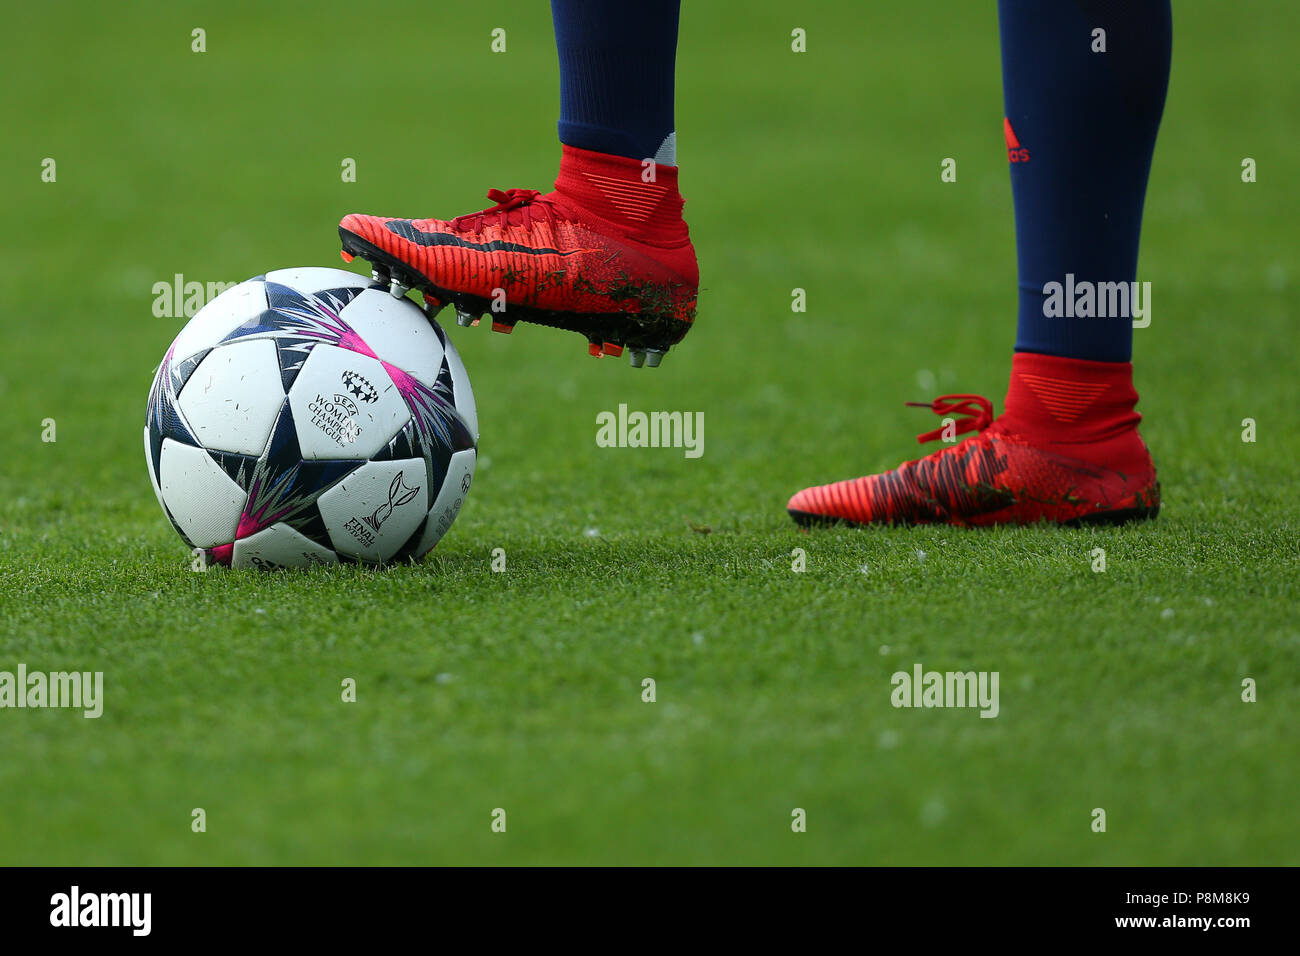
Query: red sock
614	189
1076	407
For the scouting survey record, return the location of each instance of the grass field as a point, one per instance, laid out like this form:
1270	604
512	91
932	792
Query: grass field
522	690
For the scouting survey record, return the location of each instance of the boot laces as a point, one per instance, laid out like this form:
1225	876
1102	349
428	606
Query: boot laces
516	206
977	408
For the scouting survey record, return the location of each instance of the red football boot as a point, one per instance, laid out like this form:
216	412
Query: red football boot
1066	450
607	254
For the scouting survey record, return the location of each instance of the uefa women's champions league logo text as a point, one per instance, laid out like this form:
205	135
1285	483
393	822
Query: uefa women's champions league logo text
336	417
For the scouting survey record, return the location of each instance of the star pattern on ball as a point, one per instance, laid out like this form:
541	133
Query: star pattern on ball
361	388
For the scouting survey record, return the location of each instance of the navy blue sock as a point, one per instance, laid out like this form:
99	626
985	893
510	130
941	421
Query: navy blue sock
616	76
1080	129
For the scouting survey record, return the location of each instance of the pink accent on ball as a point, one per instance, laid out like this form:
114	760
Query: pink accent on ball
354	343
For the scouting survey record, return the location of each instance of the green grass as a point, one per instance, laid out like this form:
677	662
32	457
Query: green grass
522	690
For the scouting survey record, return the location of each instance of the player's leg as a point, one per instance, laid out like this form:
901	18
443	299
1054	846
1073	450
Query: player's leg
607	254
1082	112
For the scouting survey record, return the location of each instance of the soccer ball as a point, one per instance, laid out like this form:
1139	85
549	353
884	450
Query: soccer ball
307	417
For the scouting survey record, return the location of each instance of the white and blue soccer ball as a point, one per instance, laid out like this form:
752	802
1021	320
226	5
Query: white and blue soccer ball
307	417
